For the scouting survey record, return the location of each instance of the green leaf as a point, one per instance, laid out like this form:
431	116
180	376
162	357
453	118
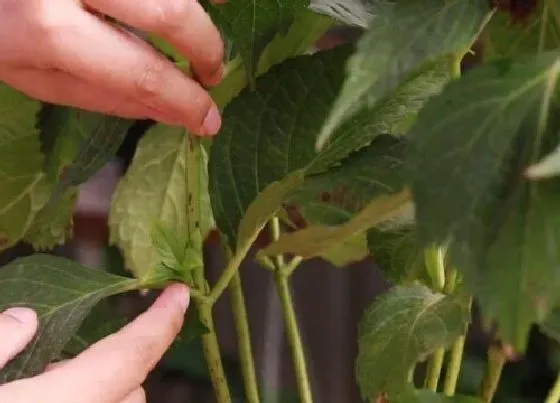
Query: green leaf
157	190
252	24
316	240
403	327
100	323
507	37
548	166
62	293
402	37
468	187
25	189
398	253
53	224
350	12
262	140
84	142
349	251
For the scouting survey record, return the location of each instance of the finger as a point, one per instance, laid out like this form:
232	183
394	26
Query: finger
17	327
61	88
121	62
184	23
138	396
116	366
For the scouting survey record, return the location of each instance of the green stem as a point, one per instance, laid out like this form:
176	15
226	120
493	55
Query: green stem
294	338
211	350
275	234
231	269
496	362
288	269
434	369
454	366
554	394
244	340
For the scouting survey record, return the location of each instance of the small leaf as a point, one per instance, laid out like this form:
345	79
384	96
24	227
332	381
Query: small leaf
251	24
403	327
402	37
25	189
156	190
62	293
537	31
316	240
469	187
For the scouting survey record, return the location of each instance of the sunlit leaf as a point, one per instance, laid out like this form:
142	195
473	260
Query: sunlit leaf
62	293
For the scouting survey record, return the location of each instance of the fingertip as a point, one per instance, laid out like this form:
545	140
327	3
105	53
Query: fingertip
176	294
25	316
212	122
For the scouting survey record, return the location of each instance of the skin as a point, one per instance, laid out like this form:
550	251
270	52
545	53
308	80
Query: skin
110	371
66	52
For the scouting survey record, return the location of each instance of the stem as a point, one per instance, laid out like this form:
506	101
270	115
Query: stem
211	350
275	234
231	269
288	269
496	362
454	367
244	340
294	338
434	369
554	394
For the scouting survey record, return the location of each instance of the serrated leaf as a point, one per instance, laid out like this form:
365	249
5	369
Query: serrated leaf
53	224
25	189
62	292
252	24
469	187
156	190
402	37
351	12
316	240
83	143
403	327
262	140
398	253
504	36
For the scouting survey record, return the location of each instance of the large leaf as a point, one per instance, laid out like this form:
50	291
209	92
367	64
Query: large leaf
252	24
24	188
263	141
62	293
317	240
537	30
351	12
166	184
401	328
402	37
398	253
469	187
551	325
78	143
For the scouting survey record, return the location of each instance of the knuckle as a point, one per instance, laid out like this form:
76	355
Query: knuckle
151	80
171	14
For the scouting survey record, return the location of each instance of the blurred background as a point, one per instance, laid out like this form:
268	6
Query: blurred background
329	302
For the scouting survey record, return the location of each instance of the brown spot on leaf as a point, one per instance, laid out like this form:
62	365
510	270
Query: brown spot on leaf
295	216
382	398
519	10
3	239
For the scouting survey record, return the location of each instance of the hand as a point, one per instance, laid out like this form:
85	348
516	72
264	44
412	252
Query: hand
110	371
58	52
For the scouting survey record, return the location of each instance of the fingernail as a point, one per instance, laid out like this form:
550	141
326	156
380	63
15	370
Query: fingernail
22	315
212	122
181	296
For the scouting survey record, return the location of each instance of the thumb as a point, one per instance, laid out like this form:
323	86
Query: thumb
17	328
